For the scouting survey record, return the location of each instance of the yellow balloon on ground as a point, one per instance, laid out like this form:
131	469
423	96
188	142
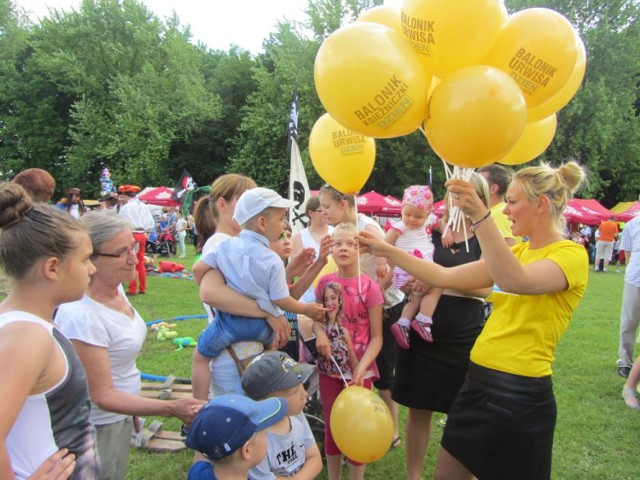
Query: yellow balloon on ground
361	424
386	15
535	139
475	116
343	158
537	48
449	34
370	80
567	92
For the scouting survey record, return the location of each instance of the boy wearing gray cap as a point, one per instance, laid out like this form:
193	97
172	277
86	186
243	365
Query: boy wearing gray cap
292	449
229	435
251	268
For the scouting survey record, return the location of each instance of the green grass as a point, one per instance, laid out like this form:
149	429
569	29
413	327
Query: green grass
596	434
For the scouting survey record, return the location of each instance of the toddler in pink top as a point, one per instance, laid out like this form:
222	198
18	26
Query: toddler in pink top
413	234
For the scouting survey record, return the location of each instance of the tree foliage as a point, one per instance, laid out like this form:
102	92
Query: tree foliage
112	85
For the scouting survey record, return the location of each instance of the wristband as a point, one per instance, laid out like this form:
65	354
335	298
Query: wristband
476	224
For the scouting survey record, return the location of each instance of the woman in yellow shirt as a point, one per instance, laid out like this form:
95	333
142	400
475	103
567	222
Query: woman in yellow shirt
502	422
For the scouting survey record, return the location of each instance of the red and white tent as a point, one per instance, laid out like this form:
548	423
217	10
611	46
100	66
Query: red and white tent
372	203
160	196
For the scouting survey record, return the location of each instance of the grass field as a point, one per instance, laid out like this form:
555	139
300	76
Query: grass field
596	435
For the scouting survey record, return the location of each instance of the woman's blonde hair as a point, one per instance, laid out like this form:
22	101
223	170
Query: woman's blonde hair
557	184
206	212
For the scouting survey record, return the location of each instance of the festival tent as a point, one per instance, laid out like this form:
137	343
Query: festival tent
372	203
160	196
629	214
586	211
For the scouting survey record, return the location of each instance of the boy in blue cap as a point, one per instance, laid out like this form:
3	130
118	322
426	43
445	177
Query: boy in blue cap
292	451
229	434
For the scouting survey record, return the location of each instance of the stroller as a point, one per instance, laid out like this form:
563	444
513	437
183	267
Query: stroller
164	242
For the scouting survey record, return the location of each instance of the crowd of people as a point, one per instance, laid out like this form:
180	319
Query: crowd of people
462	321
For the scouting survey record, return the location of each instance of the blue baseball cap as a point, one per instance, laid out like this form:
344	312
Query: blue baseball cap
226	422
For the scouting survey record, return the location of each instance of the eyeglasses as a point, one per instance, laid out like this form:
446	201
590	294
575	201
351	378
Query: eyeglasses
135	248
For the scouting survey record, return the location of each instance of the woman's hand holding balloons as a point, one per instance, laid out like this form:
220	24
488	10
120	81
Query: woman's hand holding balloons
465	197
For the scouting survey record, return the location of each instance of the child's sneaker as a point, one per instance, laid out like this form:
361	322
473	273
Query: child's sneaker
630	398
423	329
401	334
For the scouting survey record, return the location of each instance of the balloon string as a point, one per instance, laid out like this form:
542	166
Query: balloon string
456	216
355	198
346	384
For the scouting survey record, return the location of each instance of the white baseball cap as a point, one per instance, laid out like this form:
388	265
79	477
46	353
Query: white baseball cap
256	200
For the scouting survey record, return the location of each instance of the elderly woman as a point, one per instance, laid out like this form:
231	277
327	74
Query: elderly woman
108	334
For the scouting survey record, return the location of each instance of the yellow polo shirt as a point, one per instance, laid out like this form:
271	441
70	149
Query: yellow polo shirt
523	331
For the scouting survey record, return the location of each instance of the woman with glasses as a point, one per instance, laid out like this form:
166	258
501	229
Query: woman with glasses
108	334
43	390
311	237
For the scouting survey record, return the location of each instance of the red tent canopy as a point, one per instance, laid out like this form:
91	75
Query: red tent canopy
373	203
629	214
586	211
592	207
160	196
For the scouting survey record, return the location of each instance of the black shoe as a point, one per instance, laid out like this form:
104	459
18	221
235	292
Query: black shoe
624	371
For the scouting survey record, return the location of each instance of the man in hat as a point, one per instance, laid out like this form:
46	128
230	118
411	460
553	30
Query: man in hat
143	223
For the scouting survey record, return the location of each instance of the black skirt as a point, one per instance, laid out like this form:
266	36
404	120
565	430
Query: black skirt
429	375
501	425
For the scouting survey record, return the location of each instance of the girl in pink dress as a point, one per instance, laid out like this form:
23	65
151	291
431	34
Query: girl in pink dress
362	320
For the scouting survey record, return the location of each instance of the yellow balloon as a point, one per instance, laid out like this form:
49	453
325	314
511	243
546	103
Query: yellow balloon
361	424
386	15
535	139
449	34
370	80
475	116
537	48
343	158
566	93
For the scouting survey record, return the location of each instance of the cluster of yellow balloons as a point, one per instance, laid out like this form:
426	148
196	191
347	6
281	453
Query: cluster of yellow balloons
485	86
361	424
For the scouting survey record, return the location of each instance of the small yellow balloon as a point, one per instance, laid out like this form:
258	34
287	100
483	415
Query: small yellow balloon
567	92
537	48
475	116
449	34
361	424
371	81
386	15
343	158
535	139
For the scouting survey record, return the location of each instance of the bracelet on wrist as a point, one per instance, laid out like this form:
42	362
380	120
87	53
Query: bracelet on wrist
475	225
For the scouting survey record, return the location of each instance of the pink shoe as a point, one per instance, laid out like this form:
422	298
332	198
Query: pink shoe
422	329
401	335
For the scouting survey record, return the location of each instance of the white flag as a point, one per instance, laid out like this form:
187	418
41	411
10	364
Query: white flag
299	191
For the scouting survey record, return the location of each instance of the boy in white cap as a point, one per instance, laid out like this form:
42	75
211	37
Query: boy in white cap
292	449
229	435
251	268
